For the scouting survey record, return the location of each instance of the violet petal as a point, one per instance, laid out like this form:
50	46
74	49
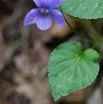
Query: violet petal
54	4
42	3
44	21
58	17
38	3
31	16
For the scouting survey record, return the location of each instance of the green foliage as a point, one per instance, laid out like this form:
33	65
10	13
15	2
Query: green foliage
88	9
70	69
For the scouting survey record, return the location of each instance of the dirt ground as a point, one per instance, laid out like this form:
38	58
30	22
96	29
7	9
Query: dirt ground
24	56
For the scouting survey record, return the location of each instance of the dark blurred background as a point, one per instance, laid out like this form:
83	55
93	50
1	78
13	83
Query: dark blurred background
24	56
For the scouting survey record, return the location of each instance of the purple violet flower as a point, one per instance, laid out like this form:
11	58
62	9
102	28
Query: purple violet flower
45	13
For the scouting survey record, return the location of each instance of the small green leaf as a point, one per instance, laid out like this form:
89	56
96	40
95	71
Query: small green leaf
70	69
88	9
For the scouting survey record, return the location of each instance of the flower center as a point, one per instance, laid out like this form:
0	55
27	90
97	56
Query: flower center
44	11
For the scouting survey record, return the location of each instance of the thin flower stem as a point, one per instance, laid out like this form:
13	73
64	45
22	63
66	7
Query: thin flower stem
99	26
78	33
83	24
75	31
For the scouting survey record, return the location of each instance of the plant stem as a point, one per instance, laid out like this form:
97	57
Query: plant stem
75	31
78	33
92	32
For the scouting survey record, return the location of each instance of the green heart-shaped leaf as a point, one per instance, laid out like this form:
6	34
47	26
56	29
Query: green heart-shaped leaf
88	9
70	69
